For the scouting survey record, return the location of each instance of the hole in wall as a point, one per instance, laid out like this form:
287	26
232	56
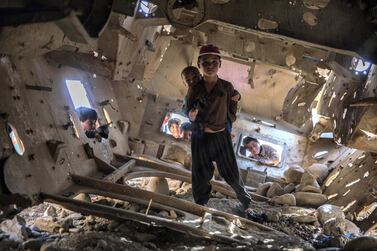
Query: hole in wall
17	143
78	94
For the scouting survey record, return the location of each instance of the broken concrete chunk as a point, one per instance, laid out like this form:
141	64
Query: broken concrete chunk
351	227
334	227
275	190
304	218
50	211
310	199
308	180
289	188
285	199
158	185
83	197
47	224
311	189
15	228
328	211
293	174
263	188
319	172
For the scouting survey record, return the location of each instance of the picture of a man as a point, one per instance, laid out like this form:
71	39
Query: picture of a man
209	102
263	153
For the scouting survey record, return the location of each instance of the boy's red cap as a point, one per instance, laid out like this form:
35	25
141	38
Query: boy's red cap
209	50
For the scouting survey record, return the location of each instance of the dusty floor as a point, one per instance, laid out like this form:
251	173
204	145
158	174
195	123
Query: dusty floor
49	227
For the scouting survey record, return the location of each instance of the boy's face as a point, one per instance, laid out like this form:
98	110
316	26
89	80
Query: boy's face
209	64
89	125
253	147
191	78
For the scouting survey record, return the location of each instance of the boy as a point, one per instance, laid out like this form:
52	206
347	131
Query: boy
210	102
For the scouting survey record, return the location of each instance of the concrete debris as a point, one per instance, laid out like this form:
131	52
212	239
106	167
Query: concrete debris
47	224
328	211
310	199
15	228
289	188
275	190
285	199
158	185
50	211
319	171
263	188
308	180
293	174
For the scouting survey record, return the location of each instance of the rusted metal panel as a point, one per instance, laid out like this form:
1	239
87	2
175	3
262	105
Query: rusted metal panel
352	185
297	104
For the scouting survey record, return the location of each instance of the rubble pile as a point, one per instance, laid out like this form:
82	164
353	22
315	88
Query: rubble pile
301	201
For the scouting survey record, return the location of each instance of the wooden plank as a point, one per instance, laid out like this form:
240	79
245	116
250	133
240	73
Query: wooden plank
121	214
121	171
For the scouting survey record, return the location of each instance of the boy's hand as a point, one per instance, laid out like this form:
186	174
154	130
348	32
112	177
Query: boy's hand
192	114
236	98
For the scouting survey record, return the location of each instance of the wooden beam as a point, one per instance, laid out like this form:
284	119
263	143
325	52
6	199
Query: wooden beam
121	214
120	172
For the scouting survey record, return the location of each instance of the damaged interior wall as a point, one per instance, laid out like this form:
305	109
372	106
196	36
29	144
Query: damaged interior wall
38	106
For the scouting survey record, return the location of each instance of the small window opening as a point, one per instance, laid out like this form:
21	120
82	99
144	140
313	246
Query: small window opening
78	93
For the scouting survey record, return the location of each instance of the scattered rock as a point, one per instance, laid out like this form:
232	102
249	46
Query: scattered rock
334	227
308	180
304	218
15	228
263	188
163	214
319	171
351	227
187	187
328	211
50	211
362	243
293	174
218	195
158	185
273	216
173	214
285	199
83	197
275	190
310	199
310	189
47	224
144	237
290	188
